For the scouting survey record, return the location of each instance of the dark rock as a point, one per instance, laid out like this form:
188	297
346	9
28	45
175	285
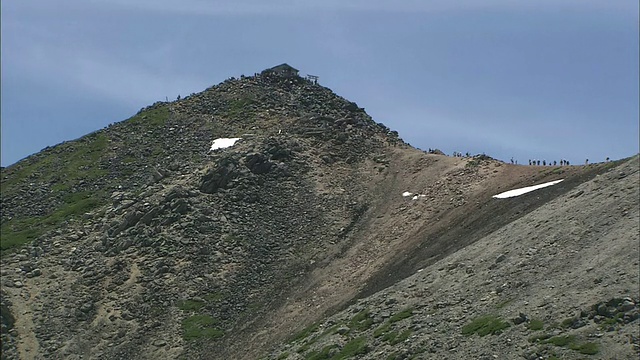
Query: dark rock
578	323
603	310
180	206
218	178
86	307
146	218
577	193
522	318
626	305
258	163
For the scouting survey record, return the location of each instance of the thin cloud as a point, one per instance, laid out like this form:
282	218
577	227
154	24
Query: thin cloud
292	7
482	128
132	83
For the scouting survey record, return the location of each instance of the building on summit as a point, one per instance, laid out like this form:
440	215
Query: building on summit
283	70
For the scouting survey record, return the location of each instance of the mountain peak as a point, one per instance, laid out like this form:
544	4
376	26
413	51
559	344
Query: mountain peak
232	220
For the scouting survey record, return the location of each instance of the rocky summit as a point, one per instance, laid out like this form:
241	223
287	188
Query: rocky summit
269	218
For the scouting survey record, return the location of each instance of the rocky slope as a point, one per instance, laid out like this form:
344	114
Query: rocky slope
560	282
138	242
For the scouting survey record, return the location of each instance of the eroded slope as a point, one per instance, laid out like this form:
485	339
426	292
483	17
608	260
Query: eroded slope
561	281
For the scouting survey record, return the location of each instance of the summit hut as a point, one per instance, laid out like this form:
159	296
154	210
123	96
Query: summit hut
283	70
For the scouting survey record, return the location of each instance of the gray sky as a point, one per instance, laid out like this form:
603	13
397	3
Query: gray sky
544	79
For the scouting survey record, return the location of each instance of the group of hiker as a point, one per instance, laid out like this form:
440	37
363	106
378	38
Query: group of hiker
534	162
544	162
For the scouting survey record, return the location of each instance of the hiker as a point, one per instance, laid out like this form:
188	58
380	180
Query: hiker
512	160
544	162
538	162
529	162
554	163
586	162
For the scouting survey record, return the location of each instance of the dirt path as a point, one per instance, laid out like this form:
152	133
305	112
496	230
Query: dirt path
27	345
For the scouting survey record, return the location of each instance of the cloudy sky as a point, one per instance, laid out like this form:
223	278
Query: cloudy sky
543	79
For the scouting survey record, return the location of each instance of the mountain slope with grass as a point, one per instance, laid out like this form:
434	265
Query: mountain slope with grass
140	241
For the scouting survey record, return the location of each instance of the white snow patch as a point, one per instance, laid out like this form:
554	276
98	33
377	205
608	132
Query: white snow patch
414	196
222	143
524	190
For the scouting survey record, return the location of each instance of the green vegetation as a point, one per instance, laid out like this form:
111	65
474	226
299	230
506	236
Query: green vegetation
361	321
306	332
394	337
585	348
200	327
401	315
214	297
154	117
535	325
240	108
283	356
325	353
473	163
566	323
560	340
485	325
538	338
304	348
357	346
567	341
73	162
190	305
61	170
609	322
383	329
20	231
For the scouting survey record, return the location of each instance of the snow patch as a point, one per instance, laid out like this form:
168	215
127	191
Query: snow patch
414	196
222	143
524	190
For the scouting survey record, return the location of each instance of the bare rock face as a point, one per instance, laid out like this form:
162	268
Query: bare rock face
219	177
137	242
